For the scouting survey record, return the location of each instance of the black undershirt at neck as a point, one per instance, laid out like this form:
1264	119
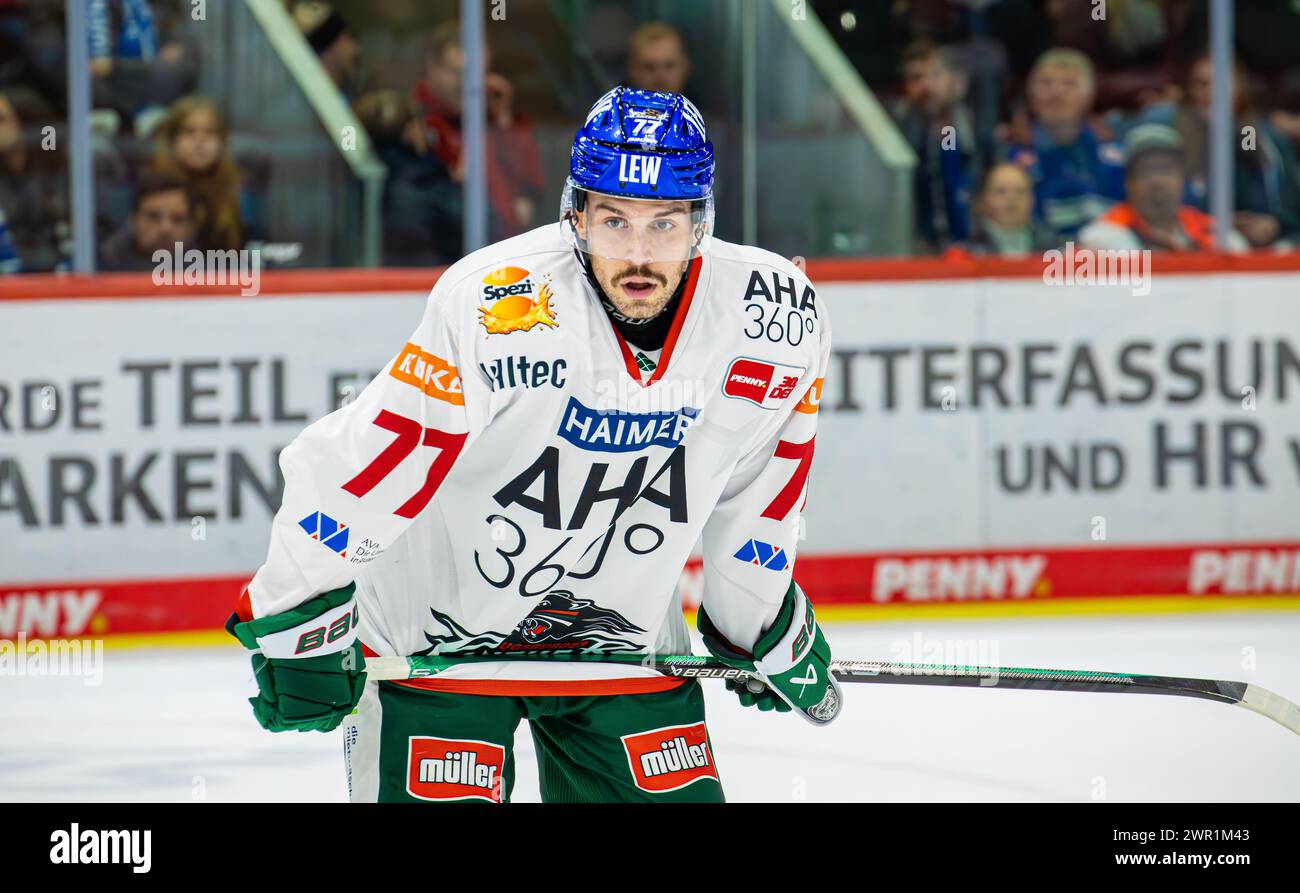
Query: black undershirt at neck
648	334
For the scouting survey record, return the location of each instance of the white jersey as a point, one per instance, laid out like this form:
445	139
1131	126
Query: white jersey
518	479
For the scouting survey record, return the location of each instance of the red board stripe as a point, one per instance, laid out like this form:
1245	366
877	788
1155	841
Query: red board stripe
1029	574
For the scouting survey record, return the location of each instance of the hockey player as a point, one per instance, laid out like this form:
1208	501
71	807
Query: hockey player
579	406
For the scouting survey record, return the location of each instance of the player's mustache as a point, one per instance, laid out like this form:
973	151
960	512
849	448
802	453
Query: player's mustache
641	273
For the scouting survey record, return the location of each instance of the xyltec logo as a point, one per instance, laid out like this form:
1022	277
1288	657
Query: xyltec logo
613	431
508	306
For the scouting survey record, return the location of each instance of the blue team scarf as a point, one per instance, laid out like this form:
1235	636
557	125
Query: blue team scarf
10	262
137	35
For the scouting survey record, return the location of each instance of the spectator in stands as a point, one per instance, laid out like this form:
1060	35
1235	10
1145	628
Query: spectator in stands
1128	43
1266	172
1077	173
514	169
328	35
422	206
1002	223
1154	216
914	75
657	58
136	68
10	262
163	215
941	130
191	143
33	183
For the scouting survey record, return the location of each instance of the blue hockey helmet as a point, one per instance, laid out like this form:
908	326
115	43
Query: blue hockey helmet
644	146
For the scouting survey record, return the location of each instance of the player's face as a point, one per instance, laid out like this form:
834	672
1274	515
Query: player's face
638	250
661	65
198	143
1200	81
1008	196
1155	186
163	219
11	132
1059	94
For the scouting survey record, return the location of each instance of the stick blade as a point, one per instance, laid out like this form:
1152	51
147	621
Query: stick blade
1274	706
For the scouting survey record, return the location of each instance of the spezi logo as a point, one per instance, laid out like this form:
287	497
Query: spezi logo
512	308
614	431
507	281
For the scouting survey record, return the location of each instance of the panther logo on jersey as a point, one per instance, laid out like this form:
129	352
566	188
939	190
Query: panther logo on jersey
559	622
560	617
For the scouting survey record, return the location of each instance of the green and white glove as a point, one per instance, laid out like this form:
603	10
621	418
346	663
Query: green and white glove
310	672
790	666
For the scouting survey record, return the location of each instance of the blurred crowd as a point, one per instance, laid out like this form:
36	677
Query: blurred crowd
1034	122
417	134
1037	123
162	169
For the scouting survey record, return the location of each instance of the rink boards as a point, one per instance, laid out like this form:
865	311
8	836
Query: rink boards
989	439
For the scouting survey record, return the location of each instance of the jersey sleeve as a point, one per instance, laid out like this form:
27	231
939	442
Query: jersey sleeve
749	542
357	478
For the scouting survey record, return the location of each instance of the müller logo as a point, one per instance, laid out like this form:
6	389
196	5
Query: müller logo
90	847
441	769
669	758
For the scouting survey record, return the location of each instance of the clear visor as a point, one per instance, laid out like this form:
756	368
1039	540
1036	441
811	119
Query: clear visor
637	231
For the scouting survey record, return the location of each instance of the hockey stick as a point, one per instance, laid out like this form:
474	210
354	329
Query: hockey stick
1252	697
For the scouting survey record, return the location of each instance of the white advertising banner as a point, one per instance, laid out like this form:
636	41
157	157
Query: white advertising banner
1005	413
979	438
139	437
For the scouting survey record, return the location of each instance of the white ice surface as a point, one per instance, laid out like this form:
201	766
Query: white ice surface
174	725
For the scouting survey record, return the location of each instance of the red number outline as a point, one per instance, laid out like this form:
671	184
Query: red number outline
780	506
410	435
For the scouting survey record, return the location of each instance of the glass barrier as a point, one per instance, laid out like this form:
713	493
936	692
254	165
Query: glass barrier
210	125
335	141
820	181
35	201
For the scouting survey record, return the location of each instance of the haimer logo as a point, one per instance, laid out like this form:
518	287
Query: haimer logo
614	431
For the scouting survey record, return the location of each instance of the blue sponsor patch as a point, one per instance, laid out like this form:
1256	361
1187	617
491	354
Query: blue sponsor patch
327	531
613	431
764	555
